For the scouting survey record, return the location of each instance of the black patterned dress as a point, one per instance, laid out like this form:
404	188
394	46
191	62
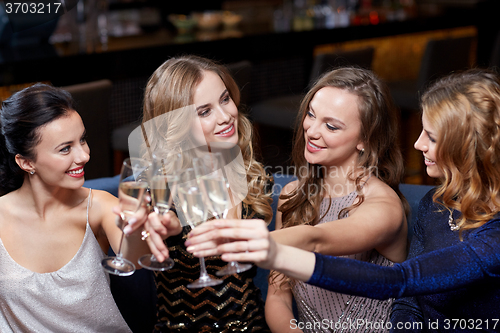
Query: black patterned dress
235	305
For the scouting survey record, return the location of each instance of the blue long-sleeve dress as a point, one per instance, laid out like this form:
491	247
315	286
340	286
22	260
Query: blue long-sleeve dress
445	285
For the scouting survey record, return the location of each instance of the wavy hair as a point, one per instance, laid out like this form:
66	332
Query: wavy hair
464	110
172	86
379	133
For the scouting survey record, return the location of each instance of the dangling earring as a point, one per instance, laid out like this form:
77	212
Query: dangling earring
32	172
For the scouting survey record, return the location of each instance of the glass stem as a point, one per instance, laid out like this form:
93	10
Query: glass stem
203	270
119	256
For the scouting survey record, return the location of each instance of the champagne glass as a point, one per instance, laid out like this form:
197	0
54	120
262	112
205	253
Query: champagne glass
213	182
131	189
163	186
194	209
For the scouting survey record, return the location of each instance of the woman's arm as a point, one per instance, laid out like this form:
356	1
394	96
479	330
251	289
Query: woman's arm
133	246
279	312
251	241
442	270
378	223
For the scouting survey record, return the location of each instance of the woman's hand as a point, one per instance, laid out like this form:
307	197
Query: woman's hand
159	227
250	241
137	220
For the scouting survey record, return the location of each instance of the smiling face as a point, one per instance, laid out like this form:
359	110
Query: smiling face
332	128
426	143
62	152
217	112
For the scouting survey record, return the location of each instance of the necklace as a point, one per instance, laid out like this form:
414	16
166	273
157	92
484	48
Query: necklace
453	225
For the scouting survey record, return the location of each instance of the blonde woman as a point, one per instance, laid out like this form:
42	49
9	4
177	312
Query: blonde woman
236	304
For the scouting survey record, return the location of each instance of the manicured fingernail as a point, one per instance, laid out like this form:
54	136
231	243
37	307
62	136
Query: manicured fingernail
190	248
127	230
132	220
187	243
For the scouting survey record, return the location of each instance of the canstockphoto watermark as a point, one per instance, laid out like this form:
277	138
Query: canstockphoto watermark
310	190
306	171
327	324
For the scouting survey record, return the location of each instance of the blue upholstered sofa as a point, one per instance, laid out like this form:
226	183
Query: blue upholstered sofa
136	294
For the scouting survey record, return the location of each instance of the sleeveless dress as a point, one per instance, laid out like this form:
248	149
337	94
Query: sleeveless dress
321	310
75	298
235	305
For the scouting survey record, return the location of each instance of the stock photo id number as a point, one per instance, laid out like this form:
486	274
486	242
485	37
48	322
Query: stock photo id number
33	7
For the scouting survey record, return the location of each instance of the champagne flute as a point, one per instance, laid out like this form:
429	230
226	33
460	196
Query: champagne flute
163	186
194	209
131	190
210	170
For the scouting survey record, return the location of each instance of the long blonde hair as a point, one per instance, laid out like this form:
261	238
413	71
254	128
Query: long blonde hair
379	133
464	110
171	87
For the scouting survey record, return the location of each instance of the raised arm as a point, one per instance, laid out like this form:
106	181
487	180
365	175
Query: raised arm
102	209
378	223
433	272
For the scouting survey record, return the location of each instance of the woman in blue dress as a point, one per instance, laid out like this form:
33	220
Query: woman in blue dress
450	281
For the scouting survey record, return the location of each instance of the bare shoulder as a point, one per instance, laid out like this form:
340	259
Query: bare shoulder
382	198
102	204
375	189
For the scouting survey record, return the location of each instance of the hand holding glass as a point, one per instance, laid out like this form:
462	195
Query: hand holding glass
163	186
210	170
131	189
194	208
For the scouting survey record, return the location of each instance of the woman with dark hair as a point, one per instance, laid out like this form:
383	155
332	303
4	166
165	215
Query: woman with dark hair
450	281
53	232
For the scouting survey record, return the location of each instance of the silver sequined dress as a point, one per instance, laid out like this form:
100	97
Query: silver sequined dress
75	298
326	311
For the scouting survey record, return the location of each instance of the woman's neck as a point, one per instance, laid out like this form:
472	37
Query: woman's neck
340	181
42	198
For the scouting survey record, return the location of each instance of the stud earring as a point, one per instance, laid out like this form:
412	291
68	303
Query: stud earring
32	172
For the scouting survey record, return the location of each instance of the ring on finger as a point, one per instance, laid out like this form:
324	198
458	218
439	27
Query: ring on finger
144	235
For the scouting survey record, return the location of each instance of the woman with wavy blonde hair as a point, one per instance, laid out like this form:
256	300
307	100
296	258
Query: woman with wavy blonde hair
346	200
204	91
450	281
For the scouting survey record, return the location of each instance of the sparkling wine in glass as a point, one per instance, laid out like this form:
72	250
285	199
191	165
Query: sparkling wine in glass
194	207
214	184
163	187
131	189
